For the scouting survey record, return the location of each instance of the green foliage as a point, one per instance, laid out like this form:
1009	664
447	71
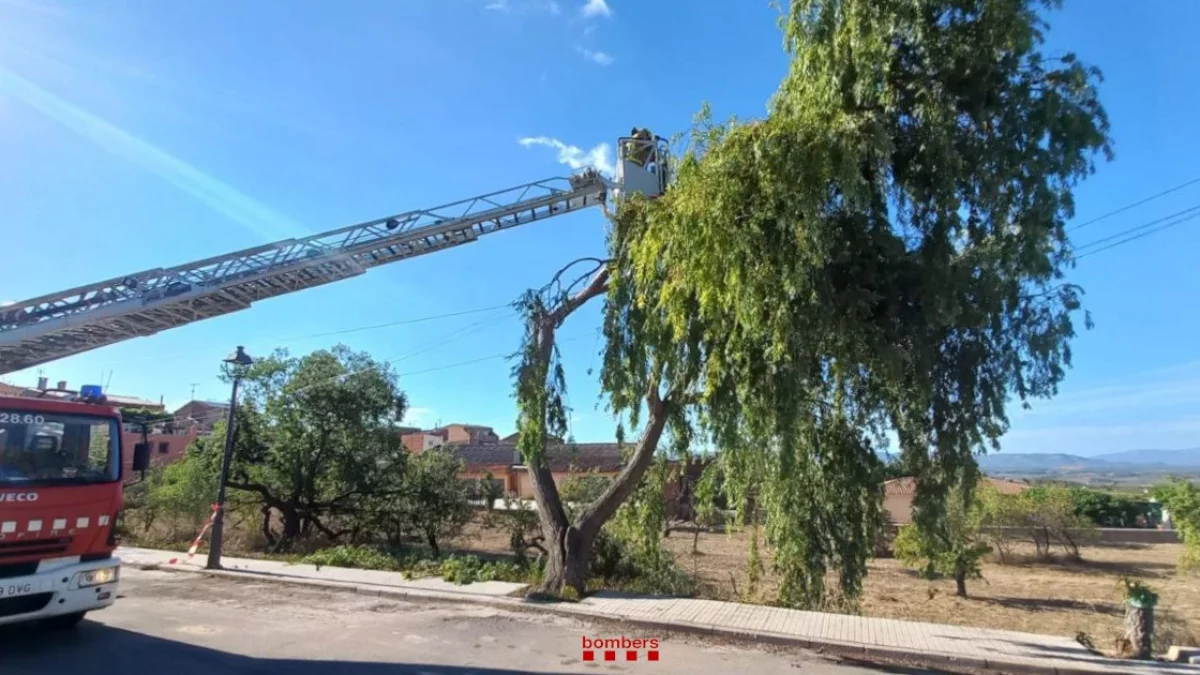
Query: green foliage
522	526
956	550
1182	500
1138	594
1051	516
584	488
316	439
629	551
433	499
490	490
356	557
709	495
1046	515
884	250
1107	509
185	488
455	569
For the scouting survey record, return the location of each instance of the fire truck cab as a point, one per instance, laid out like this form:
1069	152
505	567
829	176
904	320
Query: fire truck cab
60	498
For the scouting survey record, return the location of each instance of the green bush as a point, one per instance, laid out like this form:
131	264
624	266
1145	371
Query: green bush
456	569
954	549
357	557
1182	499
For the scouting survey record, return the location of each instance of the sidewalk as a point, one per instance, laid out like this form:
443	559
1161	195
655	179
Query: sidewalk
934	645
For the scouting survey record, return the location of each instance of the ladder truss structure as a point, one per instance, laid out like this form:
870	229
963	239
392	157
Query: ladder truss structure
50	327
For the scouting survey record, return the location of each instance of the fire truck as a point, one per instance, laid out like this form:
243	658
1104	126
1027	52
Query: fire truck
60	500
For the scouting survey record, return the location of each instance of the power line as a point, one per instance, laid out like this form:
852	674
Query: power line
457	364
1141	235
1191	211
310	336
1136	204
403	322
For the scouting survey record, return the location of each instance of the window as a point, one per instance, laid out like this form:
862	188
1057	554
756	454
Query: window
164	447
51	447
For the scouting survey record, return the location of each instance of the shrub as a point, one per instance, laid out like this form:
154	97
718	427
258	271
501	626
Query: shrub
953	550
357	557
1182	499
456	569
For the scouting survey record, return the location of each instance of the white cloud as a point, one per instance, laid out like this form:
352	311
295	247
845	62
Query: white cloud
599	156
596	8
601	58
418	415
522	6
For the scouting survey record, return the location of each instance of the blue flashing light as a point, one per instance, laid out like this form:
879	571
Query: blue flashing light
91	392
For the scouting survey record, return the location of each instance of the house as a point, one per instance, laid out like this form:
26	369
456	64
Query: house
417	440
898	495
503	462
203	415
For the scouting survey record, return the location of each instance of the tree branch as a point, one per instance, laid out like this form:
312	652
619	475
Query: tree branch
598	286
268	498
598	513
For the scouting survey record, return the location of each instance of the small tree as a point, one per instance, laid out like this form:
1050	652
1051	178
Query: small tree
182	490
1051	517
583	488
706	510
490	489
434	501
1182	500
1002	518
954	550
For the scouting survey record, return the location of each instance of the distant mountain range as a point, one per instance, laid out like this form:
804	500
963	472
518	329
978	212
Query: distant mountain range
1128	461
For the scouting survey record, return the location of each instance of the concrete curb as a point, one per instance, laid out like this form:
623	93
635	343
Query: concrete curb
852	650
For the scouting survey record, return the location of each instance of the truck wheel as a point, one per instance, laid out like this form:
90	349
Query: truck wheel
64	621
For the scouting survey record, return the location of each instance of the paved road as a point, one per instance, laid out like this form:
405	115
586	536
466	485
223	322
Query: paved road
190	625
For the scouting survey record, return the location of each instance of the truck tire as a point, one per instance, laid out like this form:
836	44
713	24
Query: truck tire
64	621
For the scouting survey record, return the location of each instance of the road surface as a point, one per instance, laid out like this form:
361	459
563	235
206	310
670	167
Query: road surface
183	624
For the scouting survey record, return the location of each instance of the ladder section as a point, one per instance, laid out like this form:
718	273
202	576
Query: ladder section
79	319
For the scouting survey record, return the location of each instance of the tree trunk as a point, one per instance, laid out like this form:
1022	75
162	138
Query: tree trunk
960	583
1135	642
291	524
268	535
431	539
569	545
567	563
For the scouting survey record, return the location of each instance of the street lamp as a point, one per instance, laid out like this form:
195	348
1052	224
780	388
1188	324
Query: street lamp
239	359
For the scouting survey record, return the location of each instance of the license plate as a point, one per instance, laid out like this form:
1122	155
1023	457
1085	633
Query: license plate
12	590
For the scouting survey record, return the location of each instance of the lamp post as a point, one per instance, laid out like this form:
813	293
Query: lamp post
239	359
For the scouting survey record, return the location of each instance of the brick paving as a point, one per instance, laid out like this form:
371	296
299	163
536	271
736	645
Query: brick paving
935	645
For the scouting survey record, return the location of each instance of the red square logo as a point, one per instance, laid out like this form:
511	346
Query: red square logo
652	655
631	655
610	656
589	655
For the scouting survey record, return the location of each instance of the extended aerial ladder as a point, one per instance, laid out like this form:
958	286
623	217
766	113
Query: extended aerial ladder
76	320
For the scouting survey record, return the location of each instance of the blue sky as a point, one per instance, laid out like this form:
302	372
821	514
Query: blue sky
141	134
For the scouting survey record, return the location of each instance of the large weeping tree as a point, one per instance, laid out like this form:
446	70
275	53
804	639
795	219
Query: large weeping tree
884	251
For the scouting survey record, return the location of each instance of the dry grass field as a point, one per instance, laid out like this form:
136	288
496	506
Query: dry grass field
1055	598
